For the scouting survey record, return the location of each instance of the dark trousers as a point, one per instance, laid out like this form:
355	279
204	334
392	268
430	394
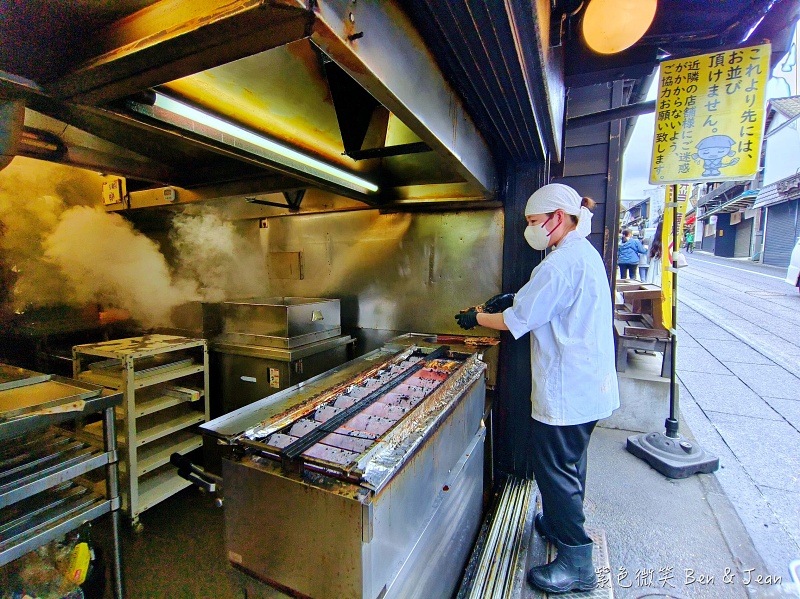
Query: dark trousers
559	465
630	269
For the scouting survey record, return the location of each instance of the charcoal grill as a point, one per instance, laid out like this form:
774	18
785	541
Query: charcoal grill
363	482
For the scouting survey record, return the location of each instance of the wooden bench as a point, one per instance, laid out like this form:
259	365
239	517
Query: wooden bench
629	336
637	324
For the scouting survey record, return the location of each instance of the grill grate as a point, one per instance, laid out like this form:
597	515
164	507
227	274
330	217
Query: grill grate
311	438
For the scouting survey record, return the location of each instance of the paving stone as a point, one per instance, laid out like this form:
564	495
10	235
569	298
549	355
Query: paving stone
734	351
751	329
707	330
786	506
689	315
782	329
773	544
693	358
686	340
767	380
726	393
640	510
767	449
788	408
761	450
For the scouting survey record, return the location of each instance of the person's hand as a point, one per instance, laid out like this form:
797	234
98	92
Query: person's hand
467	320
499	303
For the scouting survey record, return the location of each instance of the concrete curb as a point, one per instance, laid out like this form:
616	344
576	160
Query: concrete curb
764	350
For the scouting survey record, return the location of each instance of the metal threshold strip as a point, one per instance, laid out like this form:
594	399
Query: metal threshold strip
501	547
508	546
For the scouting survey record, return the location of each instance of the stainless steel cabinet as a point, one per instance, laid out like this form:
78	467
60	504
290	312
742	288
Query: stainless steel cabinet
247	373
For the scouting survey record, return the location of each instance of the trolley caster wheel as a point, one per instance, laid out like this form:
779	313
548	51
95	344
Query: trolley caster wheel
137	527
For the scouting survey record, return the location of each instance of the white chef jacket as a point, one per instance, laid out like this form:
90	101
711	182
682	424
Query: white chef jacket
566	307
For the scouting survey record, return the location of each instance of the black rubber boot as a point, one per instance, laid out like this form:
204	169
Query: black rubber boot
572	570
542	529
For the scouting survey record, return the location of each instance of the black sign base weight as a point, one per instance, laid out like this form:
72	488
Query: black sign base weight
674	457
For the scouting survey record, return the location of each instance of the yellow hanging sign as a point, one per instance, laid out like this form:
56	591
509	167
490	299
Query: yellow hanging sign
710	112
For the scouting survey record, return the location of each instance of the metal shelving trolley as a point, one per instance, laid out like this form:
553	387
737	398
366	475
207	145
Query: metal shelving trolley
164	380
42	495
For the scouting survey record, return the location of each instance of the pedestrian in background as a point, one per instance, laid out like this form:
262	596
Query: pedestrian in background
644	262
628	254
654	273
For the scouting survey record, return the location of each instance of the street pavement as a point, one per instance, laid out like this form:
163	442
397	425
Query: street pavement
738	365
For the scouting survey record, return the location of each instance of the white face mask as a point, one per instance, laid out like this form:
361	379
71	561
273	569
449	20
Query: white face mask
538	237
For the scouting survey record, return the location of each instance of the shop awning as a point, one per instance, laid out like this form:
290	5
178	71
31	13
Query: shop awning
740	202
780	191
767	196
722	192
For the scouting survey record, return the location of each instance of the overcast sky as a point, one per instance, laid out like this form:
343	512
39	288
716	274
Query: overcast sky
636	160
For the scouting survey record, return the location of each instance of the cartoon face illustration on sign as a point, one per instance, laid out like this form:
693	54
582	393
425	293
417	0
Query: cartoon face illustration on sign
711	150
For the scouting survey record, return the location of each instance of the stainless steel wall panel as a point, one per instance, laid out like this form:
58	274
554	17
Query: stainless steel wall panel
393	271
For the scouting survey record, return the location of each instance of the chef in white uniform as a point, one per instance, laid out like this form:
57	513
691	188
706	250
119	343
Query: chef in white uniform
566	308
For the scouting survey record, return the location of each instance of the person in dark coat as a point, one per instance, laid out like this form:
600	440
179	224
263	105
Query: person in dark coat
628	255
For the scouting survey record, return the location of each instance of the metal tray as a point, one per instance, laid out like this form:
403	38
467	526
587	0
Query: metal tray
13	376
43	391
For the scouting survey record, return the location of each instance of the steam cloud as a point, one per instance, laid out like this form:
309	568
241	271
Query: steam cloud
104	260
217	255
32	198
62	252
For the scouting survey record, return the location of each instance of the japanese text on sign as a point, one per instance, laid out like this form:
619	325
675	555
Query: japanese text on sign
710	116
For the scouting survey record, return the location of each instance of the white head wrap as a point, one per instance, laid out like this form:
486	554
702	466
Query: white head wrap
558	196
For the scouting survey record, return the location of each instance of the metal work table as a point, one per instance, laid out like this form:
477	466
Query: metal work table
40	501
645	343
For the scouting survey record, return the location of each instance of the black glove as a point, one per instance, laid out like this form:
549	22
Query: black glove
468	320
499	303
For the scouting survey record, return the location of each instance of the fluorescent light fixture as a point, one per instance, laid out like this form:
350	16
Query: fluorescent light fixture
339	175
611	26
